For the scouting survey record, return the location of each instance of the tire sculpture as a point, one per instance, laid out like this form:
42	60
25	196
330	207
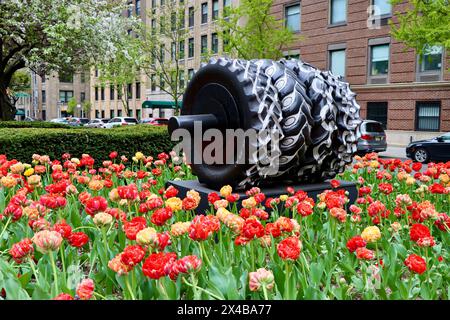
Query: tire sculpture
313	112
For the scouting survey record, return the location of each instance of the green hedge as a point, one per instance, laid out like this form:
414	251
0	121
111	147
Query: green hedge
33	124
22	143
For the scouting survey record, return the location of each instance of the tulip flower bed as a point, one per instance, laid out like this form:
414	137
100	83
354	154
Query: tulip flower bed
69	230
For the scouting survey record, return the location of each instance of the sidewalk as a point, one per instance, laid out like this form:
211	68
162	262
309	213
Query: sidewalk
394	152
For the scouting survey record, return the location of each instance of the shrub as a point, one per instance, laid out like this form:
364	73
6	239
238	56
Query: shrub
22	143
32	124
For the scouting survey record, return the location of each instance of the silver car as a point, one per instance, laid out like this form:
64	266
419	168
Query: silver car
96	123
373	137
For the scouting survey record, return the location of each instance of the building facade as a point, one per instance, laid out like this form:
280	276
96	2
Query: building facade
51	94
147	100
408	94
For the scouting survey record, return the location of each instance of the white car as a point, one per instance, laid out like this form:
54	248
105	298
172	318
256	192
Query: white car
96	123
120	121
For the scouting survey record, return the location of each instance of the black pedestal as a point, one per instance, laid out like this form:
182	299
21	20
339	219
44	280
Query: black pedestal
270	191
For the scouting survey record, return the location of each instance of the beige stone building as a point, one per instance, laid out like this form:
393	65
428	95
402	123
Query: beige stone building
52	93
146	98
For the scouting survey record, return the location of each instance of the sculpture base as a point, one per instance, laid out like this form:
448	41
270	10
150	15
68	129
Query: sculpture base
270	191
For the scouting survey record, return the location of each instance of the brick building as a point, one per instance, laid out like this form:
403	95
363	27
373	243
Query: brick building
411	96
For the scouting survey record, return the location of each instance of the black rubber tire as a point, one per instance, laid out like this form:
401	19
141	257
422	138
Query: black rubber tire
254	96
315	113
336	121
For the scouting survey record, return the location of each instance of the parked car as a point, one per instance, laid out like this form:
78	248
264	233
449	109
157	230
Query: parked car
373	137
159	122
77	122
120	121
146	120
60	120
96	123
435	149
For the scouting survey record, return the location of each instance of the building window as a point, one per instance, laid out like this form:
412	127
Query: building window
337	62
129	91
383	7
173	50
130	113
153	4
103	114
226	3
204	12
138	7
204	44
431	59
162	51
162	83
191	16
138	90
378	111
379	59
65	77
96	72
111	92
111	113
191	47
97	113
129	9
96	93
43	78
181	54
65	96
82	96
181	80
215	9
44	96
429	64
119	113
214	43
83	77
102	93
153	30
338	11
138	114
162	2
190	74
292	17
153	82
173	21
428	116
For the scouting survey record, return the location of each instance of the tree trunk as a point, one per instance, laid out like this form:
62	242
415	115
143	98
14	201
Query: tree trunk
7	108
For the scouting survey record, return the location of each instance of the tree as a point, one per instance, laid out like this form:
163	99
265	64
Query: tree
50	35
20	83
250	31
122	71
86	106
71	106
163	48
425	23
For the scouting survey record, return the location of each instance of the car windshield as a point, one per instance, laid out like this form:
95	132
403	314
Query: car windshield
162	121
446	136
130	120
373	127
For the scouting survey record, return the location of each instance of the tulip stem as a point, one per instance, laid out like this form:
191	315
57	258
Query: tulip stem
63	263
203	252
194	287
130	291
4	228
204	290
286	281
265	292
55	273
30	260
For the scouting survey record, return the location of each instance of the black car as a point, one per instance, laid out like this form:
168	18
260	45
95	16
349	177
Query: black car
436	149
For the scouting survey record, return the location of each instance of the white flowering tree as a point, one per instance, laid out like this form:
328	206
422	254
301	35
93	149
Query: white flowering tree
51	35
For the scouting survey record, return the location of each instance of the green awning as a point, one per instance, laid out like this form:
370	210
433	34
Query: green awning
20	112
21	95
160	104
